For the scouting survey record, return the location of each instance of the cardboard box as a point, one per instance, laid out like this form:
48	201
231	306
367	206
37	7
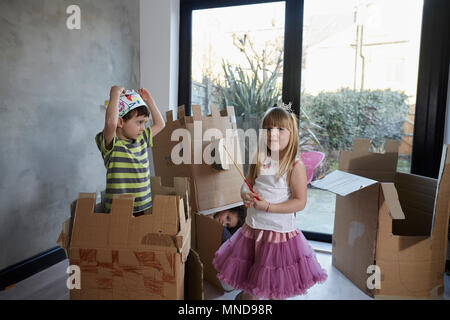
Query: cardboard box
207	241
212	186
396	221
125	257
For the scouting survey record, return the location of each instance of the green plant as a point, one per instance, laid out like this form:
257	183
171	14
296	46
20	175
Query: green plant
348	114
247	92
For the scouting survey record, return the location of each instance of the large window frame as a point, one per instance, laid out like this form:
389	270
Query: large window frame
432	82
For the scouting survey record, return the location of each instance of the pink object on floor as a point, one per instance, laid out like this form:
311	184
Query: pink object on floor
312	160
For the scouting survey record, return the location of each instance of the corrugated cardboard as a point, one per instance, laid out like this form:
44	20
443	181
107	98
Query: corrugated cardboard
211	185
127	257
399	224
208	241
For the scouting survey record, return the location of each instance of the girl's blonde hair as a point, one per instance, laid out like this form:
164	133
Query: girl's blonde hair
277	117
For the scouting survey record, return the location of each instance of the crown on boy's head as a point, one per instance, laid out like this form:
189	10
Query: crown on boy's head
129	100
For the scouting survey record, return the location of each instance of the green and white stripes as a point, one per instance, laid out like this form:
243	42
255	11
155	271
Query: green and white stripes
127	168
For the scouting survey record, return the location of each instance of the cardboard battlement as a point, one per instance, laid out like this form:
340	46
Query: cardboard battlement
126	257
378	166
211	185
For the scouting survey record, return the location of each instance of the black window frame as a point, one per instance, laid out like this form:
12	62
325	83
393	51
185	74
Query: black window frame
432	85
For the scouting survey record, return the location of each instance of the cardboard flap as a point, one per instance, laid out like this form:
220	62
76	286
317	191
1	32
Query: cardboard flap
391	146
186	243
217	209
215	112
181	112
89	229
222	160
361	145
392	202
197	113
209	239
121	213
442	201
218	156
194	277
342	183
64	237
229	112
165	215
169	116
378	166
180	188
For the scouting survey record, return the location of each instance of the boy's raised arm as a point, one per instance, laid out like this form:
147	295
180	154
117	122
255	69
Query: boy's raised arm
158	120
112	115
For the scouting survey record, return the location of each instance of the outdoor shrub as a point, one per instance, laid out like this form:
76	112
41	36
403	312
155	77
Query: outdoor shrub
348	114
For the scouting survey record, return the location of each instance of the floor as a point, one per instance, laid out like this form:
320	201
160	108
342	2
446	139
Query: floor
50	284
318	215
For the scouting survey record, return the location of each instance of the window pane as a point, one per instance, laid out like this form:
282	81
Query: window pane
237	60
359	79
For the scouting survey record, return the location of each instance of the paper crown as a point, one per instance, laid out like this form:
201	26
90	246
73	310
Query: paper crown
128	101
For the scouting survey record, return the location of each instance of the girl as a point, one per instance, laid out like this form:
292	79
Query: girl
231	220
268	257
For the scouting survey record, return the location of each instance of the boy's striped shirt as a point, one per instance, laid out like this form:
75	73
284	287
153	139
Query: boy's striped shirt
127	169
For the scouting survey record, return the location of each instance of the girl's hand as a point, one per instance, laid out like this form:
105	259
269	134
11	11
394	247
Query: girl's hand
260	204
144	94
248	197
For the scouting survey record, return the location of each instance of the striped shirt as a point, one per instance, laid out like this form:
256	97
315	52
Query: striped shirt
127	169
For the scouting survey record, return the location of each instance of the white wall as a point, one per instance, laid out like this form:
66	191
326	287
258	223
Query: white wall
159	39
159	22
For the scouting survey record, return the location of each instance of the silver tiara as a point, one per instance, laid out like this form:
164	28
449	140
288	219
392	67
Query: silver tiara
287	107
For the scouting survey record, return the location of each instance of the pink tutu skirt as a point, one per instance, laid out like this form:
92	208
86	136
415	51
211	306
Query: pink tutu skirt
268	264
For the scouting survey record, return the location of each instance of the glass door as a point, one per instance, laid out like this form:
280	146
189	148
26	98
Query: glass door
360	64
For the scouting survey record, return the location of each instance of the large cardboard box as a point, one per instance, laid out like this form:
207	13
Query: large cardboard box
393	220
125	257
211	185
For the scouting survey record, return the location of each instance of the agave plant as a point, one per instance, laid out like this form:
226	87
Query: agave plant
309	133
247	92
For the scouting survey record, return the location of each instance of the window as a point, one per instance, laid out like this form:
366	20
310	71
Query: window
359	80
237	59
357	46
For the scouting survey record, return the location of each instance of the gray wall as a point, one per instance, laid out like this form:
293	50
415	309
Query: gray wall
52	81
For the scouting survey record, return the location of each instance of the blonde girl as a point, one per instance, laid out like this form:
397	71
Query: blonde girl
269	257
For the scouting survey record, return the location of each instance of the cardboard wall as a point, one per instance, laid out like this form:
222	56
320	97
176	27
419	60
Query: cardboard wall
210	187
127	257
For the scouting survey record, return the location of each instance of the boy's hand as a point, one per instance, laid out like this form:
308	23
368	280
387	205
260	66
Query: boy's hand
116	91
144	94
158	121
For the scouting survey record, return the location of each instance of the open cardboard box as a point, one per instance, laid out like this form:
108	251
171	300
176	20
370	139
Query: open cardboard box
207	240
396	221
125	257
212	186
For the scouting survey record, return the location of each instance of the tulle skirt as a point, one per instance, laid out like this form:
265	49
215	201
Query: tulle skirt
268	264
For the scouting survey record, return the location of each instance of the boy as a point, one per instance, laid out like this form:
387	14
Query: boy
124	142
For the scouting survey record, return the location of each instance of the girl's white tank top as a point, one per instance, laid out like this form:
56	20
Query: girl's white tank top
272	190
